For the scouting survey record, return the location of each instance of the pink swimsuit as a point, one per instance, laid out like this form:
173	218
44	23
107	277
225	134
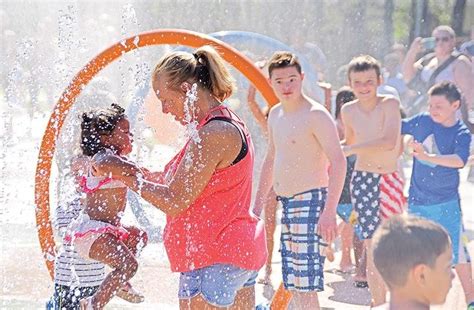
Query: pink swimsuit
83	232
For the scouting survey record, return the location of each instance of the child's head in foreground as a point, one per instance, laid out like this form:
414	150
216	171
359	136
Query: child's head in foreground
444	101
414	256
105	129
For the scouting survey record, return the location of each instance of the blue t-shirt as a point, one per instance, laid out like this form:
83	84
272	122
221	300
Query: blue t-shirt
433	184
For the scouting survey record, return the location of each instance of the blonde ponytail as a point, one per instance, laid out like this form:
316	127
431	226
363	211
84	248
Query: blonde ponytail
220	83
204	66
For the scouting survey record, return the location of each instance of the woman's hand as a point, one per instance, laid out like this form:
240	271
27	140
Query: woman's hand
116	166
416	46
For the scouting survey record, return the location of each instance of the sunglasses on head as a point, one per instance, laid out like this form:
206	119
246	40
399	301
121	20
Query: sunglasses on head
443	39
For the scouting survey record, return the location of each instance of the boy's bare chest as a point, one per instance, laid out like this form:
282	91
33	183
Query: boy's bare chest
292	131
368	123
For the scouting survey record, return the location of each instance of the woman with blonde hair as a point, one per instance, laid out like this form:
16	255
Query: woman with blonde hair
211	236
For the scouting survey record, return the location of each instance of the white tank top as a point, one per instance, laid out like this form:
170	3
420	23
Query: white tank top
446	75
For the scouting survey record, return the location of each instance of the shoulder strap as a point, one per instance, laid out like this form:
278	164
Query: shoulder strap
244	148
454	55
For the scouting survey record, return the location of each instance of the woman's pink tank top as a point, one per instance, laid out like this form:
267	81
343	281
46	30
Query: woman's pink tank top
218	226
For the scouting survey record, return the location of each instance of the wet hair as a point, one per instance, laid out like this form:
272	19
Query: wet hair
344	95
446	28
96	123
363	63
204	67
283	59
447	89
403	242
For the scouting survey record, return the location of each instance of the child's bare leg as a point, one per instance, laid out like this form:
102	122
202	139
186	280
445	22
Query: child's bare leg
375	281
464	272
137	239
346	244
113	252
245	299
197	302
304	300
360	259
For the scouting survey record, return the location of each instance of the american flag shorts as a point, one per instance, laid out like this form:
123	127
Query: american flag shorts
375	197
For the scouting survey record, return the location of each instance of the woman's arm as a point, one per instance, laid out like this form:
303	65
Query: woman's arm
409	67
220	143
266	179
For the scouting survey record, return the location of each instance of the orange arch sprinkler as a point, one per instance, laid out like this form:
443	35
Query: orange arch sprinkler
84	76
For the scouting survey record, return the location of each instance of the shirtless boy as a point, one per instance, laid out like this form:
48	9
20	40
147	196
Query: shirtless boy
303	143
372	132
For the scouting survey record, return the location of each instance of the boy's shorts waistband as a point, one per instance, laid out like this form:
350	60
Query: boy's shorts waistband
322	190
376	173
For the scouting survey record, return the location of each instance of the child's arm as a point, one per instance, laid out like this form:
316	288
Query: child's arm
347	126
348	131
256	111
450	160
326	133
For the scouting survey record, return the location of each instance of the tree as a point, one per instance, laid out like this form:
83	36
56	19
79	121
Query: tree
419	25
388	24
457	19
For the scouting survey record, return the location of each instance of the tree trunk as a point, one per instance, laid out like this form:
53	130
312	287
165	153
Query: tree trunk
457	19
419	14
388	25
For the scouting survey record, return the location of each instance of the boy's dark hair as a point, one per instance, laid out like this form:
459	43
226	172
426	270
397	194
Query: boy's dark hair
96	123
283	59
363	63
344	95
447	89
404	242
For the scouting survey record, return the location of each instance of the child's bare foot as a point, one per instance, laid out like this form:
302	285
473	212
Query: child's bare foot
329	253
266	278
347	267
128	293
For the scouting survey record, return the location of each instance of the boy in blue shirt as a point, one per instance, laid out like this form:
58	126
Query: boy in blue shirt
440	149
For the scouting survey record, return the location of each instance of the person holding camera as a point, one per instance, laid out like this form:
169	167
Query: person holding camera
443	64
